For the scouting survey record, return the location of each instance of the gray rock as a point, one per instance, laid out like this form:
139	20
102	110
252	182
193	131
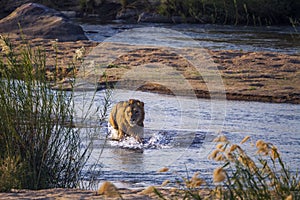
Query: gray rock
36	20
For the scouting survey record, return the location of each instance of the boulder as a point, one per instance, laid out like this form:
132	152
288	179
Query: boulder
36	20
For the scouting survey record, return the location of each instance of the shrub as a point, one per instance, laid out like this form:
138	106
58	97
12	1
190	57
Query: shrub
40	148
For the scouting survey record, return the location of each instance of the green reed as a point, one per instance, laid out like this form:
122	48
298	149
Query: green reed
40	147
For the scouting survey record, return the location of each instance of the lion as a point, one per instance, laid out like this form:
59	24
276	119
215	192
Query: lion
127	117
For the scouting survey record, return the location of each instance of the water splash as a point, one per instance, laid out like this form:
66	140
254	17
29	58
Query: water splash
158	140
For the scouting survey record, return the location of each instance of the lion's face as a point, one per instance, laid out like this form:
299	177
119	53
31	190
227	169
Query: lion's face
134	112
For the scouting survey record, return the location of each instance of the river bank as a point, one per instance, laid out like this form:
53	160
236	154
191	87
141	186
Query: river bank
251	76
61	193
112	193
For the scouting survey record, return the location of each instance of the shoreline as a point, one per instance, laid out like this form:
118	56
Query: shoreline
68	193
248	76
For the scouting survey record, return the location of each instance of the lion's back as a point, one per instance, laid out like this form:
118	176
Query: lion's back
117	114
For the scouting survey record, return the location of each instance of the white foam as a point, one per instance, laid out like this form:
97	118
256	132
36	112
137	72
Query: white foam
112	133
157	140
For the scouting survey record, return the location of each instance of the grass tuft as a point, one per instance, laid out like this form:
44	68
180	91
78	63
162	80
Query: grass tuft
40	148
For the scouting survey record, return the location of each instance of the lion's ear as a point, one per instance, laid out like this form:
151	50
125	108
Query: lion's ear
131	101
141	103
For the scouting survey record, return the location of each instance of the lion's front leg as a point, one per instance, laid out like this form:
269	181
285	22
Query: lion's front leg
113	122
138	139
121	134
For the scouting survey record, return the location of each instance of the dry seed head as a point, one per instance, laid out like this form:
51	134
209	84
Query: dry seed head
221	138
290	197
241	159
263	148
245	139
230	157
220	157
274	153
220	146
219	175
148	190
109	190
263	151
164	169
260	144
166	182
233	148
196	181
214	154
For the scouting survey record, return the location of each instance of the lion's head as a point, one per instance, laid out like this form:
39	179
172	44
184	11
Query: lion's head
134	112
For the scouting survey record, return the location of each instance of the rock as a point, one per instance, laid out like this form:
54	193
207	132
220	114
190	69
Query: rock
37	20
7	6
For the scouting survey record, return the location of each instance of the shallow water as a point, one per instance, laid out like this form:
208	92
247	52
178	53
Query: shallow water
275	38
179	130
179	133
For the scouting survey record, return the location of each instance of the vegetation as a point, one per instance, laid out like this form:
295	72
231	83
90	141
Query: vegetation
263	175
241	176
245	12
253	12
235	12
40	148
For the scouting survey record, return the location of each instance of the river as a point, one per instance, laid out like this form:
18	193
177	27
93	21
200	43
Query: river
179	130
247	38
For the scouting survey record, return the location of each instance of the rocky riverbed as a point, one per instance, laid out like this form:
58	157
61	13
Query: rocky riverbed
244	75
251	76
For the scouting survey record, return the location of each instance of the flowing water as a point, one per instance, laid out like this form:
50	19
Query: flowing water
179	130
262	38
179	133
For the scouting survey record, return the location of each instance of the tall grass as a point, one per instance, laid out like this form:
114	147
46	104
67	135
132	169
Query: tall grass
40	148
262	176
243	174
